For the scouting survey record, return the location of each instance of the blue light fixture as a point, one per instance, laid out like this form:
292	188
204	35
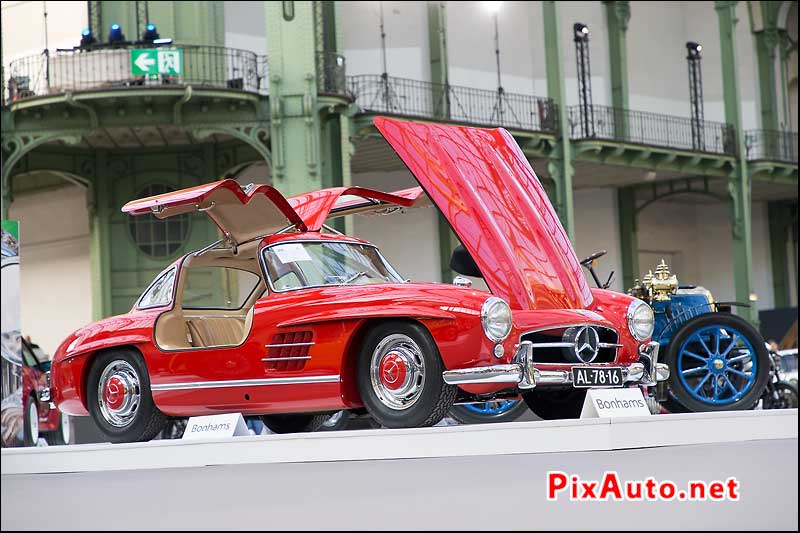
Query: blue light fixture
150	33
87	39
115	35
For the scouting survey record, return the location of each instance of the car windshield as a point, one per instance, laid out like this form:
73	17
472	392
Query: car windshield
316	264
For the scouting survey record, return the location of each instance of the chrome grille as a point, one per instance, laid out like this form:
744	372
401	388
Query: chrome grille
549	345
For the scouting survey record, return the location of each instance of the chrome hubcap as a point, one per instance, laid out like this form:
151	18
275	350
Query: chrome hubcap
118	393
397	371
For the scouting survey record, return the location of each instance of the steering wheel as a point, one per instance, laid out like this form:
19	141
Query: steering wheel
596	255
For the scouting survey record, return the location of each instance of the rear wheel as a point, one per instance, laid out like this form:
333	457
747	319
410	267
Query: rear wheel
119	397
785	397
555	404
31	420
400	376
293	423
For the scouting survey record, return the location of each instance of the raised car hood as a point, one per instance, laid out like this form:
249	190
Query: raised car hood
485	187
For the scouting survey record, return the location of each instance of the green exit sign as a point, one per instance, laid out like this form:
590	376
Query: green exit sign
147	61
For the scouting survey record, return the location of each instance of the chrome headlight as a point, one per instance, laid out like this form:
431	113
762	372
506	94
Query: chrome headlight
640	320
496	319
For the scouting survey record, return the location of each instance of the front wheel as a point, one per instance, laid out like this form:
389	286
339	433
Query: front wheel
31	420
488	412
555	404
293	423
119	398
336	421
400	376
718	362
63	434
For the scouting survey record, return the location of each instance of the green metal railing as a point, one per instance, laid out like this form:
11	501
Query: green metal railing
652	129
110	68
422	99
771	145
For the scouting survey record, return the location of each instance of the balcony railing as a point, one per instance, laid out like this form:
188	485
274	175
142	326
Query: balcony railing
110	68
653	129
771	145
422	99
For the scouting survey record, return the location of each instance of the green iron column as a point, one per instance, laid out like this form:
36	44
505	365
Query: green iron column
560	162
767	40
628	235
295	130
437	42
779	223
439	71
618	14
99	204
739	184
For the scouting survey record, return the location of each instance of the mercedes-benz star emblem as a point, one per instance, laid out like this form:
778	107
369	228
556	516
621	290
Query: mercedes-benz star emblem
392	372
587	344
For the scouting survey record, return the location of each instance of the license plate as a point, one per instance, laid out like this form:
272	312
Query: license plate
584	377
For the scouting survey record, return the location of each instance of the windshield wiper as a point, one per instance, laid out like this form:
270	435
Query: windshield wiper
353	278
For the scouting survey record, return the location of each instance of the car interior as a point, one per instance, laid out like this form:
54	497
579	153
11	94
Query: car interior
215	297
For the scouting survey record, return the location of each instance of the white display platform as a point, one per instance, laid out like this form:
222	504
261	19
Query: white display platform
454	441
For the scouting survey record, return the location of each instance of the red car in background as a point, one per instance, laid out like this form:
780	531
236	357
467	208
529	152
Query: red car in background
287	318
41	418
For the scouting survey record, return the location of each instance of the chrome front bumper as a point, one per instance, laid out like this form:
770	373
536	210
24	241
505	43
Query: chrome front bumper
527	375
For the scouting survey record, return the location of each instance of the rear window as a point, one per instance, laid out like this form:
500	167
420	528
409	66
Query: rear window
217	288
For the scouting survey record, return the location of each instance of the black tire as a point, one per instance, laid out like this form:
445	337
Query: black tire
62	435
335	422
174	428
147	421
682	395
293	423
30	435
434	397
466	416
555	404
787	397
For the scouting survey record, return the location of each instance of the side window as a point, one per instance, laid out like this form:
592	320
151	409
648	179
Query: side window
160	292
217	288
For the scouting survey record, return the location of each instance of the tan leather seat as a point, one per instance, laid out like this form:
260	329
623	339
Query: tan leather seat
220	331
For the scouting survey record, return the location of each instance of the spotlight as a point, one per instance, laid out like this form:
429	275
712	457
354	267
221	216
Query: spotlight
115	35
693	49
150	34
87	39
581	31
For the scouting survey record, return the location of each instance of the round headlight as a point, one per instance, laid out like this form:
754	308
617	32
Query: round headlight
496	319
640	320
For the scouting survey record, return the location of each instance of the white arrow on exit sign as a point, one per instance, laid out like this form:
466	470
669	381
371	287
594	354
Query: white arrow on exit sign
144	62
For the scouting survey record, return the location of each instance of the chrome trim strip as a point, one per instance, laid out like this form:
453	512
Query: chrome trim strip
289	344
270	359
242	317
245	383
484	374
608	345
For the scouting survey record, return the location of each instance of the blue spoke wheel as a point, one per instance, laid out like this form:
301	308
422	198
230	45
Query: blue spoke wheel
718	363
488	412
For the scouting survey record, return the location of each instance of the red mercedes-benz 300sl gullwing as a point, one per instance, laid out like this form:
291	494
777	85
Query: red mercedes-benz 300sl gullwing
287	318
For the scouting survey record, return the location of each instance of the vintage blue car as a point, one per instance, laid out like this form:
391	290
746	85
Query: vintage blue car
719	361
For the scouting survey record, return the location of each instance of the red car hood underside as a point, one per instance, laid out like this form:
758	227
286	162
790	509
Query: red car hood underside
485	187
